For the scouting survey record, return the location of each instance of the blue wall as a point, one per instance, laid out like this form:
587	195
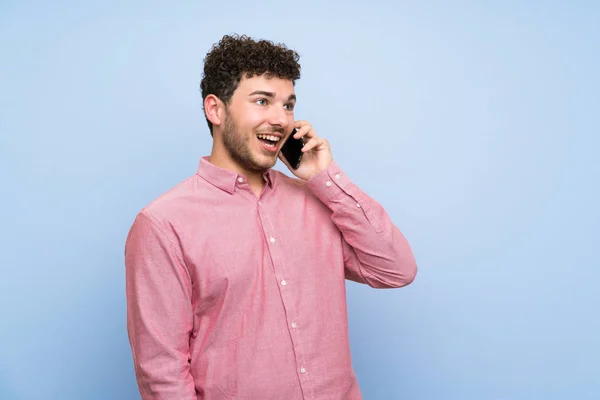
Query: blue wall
476	125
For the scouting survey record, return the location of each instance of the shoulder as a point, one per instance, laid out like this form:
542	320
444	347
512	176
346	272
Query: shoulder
293	189
174	204
290	182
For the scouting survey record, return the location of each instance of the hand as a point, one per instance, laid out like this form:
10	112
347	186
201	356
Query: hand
317	154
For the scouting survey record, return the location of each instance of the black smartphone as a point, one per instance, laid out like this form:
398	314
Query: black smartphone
292	150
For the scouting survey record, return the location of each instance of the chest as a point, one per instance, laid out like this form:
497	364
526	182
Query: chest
237	250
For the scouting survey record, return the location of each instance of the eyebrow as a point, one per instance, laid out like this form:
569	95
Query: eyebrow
270	94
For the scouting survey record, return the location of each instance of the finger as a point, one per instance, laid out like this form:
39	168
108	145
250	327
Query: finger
313	143
300	123
302	128
305	130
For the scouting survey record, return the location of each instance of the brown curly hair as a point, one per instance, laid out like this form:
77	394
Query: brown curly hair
234	56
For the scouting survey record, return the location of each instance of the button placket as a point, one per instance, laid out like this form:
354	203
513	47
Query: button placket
286	289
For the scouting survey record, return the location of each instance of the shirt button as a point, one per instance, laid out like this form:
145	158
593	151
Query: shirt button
272	240
303	370
337	176
283	282
240	179
358	205
328	183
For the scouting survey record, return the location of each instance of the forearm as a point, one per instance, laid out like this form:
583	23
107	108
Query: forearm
376	251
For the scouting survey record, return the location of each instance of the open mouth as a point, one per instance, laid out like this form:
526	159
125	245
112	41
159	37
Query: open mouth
269	141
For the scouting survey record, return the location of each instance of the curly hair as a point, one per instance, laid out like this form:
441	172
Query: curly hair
236	56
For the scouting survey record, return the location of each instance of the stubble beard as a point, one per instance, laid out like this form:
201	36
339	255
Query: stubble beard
238	147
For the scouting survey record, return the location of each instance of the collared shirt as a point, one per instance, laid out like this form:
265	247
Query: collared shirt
236	296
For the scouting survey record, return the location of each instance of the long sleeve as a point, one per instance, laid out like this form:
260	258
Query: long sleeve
375	251
159	312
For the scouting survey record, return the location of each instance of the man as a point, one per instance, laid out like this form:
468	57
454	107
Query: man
236	276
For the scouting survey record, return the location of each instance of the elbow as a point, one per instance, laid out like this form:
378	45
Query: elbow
411	273
400	275
405	266
403	269
406	274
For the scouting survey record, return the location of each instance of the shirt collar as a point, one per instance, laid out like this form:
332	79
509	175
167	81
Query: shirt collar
224	179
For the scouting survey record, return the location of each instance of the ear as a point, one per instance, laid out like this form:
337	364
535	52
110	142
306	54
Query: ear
214	109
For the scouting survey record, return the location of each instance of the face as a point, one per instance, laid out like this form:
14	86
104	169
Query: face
258	119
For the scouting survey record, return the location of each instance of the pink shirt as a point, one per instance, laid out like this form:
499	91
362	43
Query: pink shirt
234	296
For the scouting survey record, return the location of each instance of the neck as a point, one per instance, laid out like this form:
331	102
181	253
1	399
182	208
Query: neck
221	158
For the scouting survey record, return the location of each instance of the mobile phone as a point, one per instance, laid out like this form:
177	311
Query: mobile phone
292	150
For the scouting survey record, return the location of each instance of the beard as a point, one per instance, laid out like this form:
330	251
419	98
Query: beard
237	146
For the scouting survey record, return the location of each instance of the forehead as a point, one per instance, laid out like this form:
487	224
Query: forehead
280	87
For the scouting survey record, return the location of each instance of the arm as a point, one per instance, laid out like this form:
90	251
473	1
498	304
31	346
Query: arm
159	312
375	251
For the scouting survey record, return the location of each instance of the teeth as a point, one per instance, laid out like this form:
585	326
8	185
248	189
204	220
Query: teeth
269	137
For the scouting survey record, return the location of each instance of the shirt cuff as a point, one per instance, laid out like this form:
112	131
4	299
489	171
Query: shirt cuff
330	184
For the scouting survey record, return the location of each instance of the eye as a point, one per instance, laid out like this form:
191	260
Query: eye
261	102
289	107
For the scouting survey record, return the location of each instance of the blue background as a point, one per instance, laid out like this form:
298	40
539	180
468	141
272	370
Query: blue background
475	124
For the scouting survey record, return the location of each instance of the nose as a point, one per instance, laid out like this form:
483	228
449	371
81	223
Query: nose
279	117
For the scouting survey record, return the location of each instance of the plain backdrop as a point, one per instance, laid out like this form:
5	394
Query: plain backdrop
475	124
